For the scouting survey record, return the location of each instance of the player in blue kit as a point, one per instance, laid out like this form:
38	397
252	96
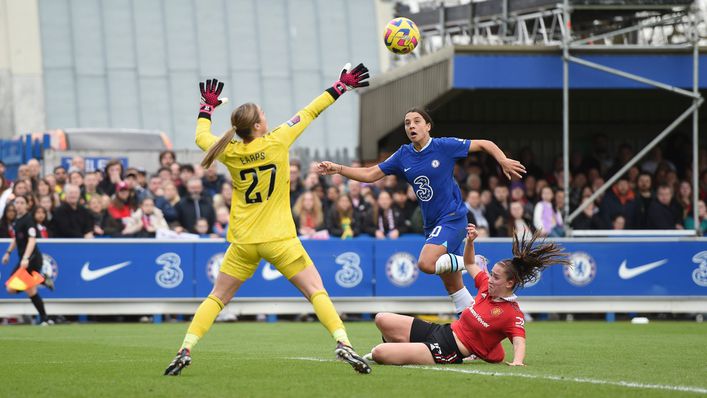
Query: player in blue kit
428	164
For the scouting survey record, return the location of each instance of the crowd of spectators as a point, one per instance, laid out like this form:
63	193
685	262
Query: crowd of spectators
179	199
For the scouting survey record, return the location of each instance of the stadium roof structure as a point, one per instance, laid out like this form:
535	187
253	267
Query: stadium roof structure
543	45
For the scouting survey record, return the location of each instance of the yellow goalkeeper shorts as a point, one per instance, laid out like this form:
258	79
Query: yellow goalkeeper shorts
287	256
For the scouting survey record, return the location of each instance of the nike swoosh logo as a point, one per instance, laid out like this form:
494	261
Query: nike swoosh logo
628	273
270	273
88	274
405	170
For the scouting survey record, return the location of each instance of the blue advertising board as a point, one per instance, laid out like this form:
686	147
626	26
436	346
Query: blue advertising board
124	269
544	71
93	163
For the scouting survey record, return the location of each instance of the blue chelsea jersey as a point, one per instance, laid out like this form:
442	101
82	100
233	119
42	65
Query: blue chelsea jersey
431	174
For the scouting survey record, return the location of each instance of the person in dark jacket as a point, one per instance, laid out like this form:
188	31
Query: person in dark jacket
663	212
71	220
194	206
104	225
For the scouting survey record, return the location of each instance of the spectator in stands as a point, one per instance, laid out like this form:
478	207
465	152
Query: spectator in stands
473	182
121	205
34	170
547	220
60	178
2	169
473	203
296	183
169	204
497	212
145	221
201	227
40	219
8	217
112	176
331	195
655	158
689	222
518	224
5	192
212	180
632	175
21	188
577	184
137	191
560	201
71	220
618	222
167	158
223	216
186	173
531	195
308	214
78	163
401	202
620	199
76	178
389	220
518	195
154	187
165	174
22	172
703	185
104	225
623	155
589	218
194	206
340	221
224	196
354	188
684	199
663	212
48	204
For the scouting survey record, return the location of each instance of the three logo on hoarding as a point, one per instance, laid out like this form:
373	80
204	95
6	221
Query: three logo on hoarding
171	275
699	275
350	274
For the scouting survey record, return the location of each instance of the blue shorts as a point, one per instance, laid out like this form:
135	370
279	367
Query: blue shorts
449	233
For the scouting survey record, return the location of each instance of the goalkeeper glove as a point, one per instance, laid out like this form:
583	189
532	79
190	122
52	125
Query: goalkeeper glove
209	97
349	80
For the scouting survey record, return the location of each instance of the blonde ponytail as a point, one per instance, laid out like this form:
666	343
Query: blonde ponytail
217	148
242	120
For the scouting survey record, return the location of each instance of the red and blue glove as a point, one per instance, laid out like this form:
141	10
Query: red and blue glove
209	97
349	79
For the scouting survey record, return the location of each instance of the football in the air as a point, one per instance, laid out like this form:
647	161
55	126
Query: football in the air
401	36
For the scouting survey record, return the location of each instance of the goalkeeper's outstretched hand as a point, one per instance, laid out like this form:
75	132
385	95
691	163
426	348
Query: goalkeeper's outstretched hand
351	79
210	90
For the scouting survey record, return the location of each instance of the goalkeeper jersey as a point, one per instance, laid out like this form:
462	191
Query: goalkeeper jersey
260	172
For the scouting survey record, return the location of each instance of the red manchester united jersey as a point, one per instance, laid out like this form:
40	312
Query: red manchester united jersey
485	324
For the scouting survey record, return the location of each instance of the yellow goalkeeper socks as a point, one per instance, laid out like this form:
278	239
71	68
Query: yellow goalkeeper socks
203	319
328	316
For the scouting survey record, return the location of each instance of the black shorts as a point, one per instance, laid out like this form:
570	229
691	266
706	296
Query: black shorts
35	264
438	339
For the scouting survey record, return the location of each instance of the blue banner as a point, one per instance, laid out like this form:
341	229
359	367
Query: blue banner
94	163
105	269
544	71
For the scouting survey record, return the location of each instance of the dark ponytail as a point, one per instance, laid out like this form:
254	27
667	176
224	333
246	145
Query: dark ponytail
531	259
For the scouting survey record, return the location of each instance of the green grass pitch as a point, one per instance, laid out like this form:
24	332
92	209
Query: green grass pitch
580	359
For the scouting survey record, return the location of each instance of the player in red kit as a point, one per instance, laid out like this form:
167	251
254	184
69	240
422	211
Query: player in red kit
494	316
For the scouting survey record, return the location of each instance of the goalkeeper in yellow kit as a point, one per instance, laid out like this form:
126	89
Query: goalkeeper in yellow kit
261	224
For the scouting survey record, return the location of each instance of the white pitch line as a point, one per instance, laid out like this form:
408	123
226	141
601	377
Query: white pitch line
621	383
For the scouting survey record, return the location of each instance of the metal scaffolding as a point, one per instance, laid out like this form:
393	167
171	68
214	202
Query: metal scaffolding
569	43
582	25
